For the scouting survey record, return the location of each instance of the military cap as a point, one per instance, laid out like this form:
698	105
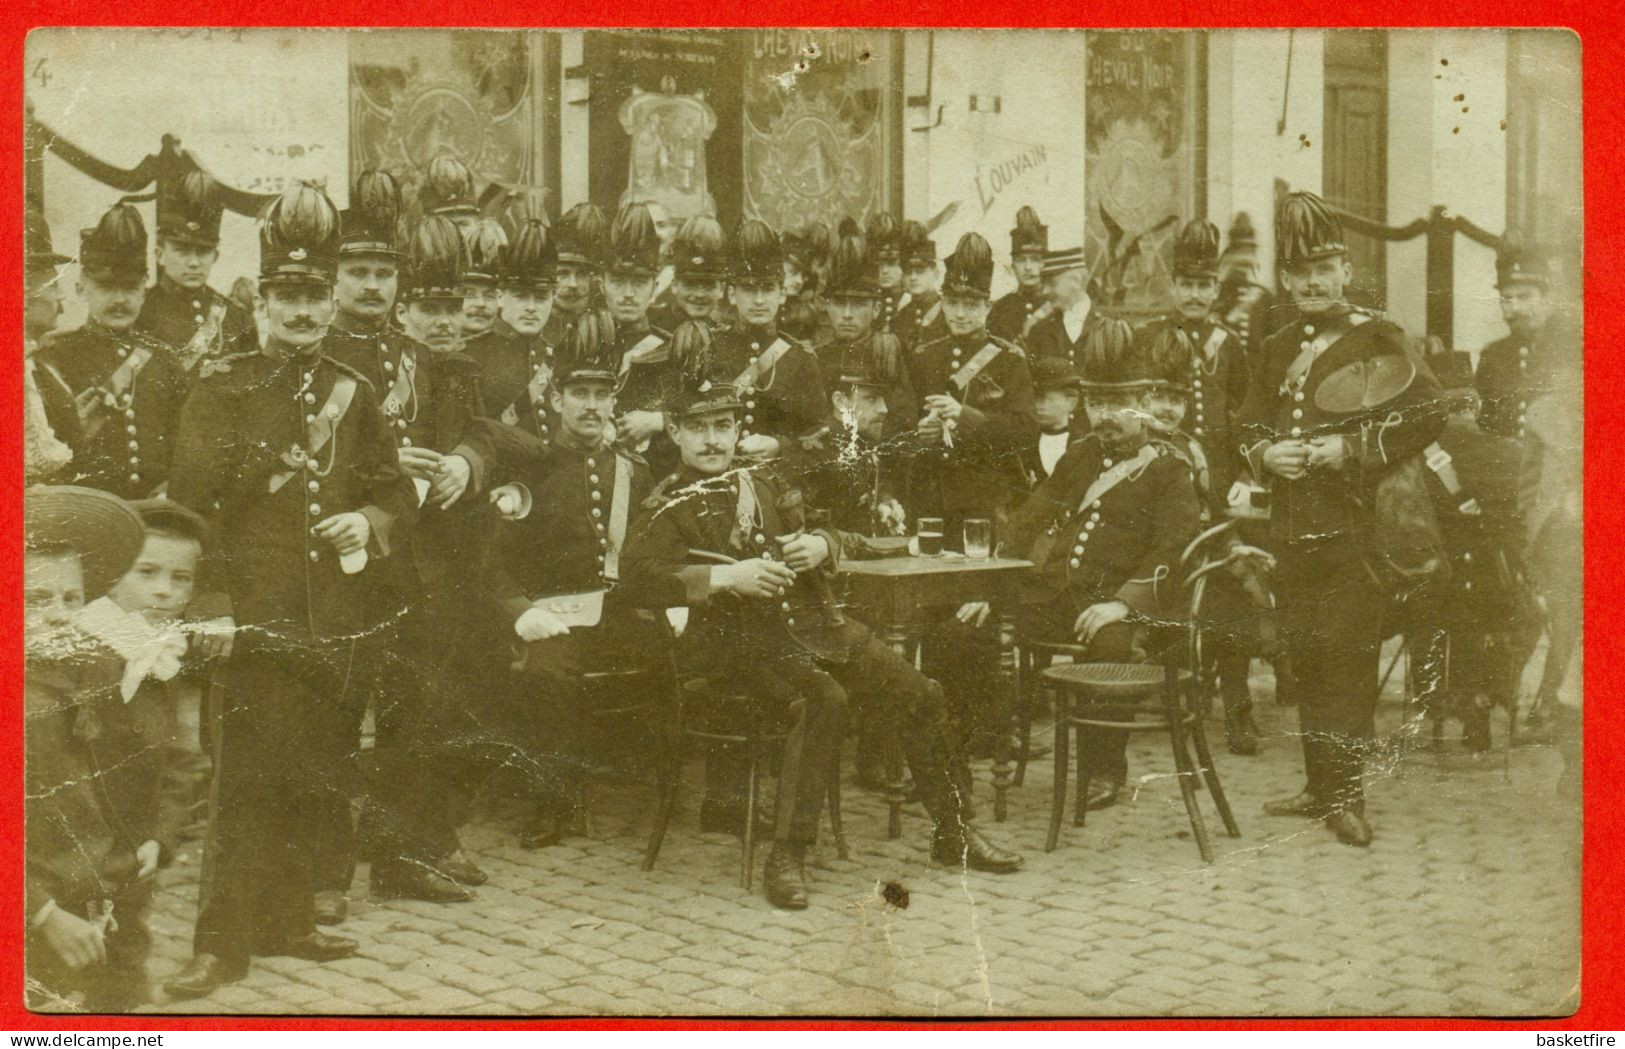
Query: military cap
1110	358
372	221
757	254
166	514
437	260
1168	353
698	250
101	528
1306	230
1062	260
1196	250
852	271
587	351
808	248
37	241
700	386
969	270
299	238
529	260
189	209
634	245
484	240
918	247
583	236
1028	236
447	188
885	237
1055	373
117	247
1517	262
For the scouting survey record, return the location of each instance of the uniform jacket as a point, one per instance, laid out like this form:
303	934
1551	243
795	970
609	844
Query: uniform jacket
1048	337
670	557
1218	388
242	429
1512	372
1333	504
856	482
919	320
806	317
785	401
174	314
983	469
1124	545
1032	462
508	361
124	446
1009	315
887	308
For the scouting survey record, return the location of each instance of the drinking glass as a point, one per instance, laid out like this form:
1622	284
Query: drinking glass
978	538
929	531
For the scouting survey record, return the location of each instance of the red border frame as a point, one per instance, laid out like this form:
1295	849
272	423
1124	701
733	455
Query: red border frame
1604	118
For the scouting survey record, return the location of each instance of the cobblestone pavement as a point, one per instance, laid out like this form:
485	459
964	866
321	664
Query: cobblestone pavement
1467	903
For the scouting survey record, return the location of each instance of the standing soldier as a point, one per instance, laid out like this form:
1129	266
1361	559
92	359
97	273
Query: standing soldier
484	240
553	571
583	242
1064	332
181	309
806	265
644	352
885	238
50	419
515	358
430	398
1015	314
851	296
286	451
127	386
1323	467
777	378
919	313
700	265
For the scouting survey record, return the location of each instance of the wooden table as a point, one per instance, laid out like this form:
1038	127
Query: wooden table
905	594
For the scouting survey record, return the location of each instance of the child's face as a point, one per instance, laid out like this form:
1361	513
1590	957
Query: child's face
1055	408
53	592
161	582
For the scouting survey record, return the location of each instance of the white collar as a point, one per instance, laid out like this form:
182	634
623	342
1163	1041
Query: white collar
147	650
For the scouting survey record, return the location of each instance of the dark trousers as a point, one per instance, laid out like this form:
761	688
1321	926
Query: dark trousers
279	775
119	986
1332	614
817	696
1229	638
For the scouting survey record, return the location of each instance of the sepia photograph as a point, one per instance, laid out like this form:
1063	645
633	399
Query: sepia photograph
785	523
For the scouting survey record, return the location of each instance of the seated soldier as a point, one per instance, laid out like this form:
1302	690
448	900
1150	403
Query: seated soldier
734	546
552	569
1105	531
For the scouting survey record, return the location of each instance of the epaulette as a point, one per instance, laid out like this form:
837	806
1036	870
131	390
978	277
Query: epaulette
1165	446
212	366
660	496
345	369
631	456
922	347
1006	345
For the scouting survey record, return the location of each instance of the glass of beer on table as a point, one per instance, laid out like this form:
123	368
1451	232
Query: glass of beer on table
929	531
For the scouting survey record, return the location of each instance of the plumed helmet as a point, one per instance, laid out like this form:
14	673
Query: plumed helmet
189	209
969	270
634	244
885	236
437	259
485	240
1306	230
1108	357
918	247
372	221
587	350
1169	355
37	240
583	236
1028	236
530	259
757	254
699	384
698	250
299	237
448	187
1517	261
1196	250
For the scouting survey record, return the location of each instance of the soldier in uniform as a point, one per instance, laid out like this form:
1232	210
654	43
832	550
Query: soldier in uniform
885	238
583	241
644	351
852	297
700	266
484	240
447	188
50	418
736	548
777	378
515	356
1322	467
975	422
919	312
415	603
287	453
806	264
1072	315
552	571
1014	314
1105	531
127	386
847	467
181	309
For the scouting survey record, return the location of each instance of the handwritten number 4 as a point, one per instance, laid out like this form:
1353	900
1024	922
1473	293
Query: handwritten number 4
42	75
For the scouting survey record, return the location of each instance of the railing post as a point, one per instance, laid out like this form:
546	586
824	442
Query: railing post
1441	275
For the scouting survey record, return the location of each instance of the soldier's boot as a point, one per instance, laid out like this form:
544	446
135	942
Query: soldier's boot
414	880
1240	732
1350	826
784	876
962	845
203	974
542	828
462	870
331	907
